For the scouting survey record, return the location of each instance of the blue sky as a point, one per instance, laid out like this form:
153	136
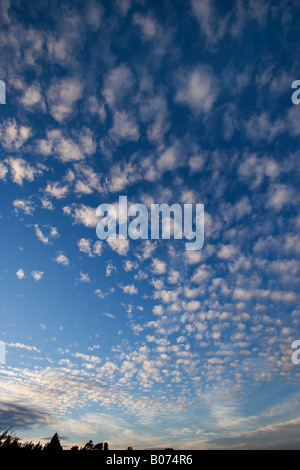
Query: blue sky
141	343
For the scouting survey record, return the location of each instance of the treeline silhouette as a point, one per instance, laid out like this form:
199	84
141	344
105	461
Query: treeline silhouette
9	441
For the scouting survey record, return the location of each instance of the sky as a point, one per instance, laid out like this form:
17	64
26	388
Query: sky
139	342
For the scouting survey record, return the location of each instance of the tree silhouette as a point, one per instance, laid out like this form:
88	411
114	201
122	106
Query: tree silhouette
99	446
89	446
9	441
54	445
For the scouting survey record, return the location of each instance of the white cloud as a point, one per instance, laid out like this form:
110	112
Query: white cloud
158	310
12	135
56	190
118	83
197	89
109	315
62	259
22	170
130	265
193	257
84	277
279	196
148	25
174	276
102	294
33	97
120	246
23	346
123	6
25	205
46	204
52	233
68	149
125	127
211	26
130	289
94	15
196	163
121	176
20	274
37	275
158	267
191	306
109	269
87	180
260	127
82	214
41	236
227	252
3	171
62	97
169	160
86	246
201	274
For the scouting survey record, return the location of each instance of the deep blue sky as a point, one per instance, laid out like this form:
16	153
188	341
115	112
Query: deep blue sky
142	343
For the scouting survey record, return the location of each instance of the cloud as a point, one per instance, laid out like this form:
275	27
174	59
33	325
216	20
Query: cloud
125	127
260	127
87	180
62	259
56	190
43	238
86	246
102	295
3	171
109	315
14	136
278	436
130	265
211	26
22	170
32	97
200	275
93	16
169	160
67	148
37	275
109	269
227	252
84	277
197	89
46	204
120	246
121	176
279	196
25	205
20	274
117	85
23	346
130	289
62	97
82	214
158	267
148	248
22	416
147	24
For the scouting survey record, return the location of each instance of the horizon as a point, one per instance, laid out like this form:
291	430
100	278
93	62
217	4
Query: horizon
141	342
